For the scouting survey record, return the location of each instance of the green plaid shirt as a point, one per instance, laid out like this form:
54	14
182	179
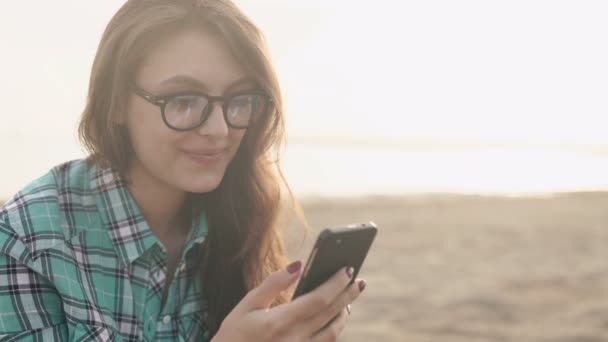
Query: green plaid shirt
78	262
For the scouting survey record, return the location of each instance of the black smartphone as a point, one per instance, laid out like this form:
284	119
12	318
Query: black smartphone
336	248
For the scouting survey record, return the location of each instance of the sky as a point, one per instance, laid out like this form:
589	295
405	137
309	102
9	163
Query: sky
395	72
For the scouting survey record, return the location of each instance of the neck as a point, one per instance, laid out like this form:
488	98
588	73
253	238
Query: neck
159	202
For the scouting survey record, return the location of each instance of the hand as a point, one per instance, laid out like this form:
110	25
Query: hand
319	315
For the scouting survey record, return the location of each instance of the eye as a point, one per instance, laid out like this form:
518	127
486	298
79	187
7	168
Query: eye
242	101
183	103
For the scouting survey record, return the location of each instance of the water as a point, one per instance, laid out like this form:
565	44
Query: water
356	170
343	170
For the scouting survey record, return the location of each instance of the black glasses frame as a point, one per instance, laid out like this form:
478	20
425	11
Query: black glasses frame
161	101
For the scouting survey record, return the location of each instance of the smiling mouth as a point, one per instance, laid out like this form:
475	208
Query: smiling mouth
206	156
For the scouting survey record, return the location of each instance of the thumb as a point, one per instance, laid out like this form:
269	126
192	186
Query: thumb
262	296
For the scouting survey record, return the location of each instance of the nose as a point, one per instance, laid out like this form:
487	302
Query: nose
215	124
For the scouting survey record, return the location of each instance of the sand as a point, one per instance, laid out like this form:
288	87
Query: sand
473	268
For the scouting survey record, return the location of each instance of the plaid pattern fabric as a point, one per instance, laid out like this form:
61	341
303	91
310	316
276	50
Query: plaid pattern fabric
78	262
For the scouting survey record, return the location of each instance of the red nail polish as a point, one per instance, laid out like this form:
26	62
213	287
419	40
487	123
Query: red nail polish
294	267
349	272
362	285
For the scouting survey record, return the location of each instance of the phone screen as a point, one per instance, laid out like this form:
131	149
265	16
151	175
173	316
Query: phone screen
336	248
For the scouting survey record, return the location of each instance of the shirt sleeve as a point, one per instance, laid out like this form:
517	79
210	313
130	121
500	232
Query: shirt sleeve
30	307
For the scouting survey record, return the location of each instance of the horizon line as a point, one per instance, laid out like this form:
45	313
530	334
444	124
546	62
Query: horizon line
430	143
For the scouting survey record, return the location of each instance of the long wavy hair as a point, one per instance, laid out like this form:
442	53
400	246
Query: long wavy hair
244	244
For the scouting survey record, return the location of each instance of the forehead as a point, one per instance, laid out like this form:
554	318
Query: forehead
193	53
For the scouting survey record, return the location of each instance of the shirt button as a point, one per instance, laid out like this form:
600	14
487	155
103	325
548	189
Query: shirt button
167	319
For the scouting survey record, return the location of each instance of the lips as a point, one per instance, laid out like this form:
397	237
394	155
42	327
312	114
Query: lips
206	154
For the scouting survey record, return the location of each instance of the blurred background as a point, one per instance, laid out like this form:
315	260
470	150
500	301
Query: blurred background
472	132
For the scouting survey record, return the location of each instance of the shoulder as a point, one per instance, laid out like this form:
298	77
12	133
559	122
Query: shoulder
46	211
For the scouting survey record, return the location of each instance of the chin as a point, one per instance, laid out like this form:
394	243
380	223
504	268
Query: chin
202	186
202	189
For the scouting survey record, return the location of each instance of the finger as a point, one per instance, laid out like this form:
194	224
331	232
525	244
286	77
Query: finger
322	297
333	330
262	296
349	295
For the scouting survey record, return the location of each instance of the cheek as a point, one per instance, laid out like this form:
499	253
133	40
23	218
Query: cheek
148	135
236	139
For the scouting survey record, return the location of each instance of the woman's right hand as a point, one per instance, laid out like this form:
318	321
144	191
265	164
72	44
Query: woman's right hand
319	315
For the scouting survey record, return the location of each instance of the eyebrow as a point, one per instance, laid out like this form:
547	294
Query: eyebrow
190	81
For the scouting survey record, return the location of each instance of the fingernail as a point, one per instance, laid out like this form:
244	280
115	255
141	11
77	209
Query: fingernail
349	272
294	267
362	285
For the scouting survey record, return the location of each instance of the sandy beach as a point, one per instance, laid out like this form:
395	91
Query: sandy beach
474	268
458	268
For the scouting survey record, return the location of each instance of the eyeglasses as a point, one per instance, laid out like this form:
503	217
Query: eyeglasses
189	110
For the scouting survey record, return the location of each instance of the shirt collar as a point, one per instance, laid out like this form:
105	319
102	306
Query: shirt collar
198	231
127	227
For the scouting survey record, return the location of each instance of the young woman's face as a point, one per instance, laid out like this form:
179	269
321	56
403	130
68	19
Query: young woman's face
194	160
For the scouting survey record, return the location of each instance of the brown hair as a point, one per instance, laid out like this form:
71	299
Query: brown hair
244	244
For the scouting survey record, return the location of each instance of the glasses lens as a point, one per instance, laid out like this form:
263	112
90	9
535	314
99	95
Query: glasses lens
244	109
185	111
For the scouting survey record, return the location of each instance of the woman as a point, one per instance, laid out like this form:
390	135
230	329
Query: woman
168	230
